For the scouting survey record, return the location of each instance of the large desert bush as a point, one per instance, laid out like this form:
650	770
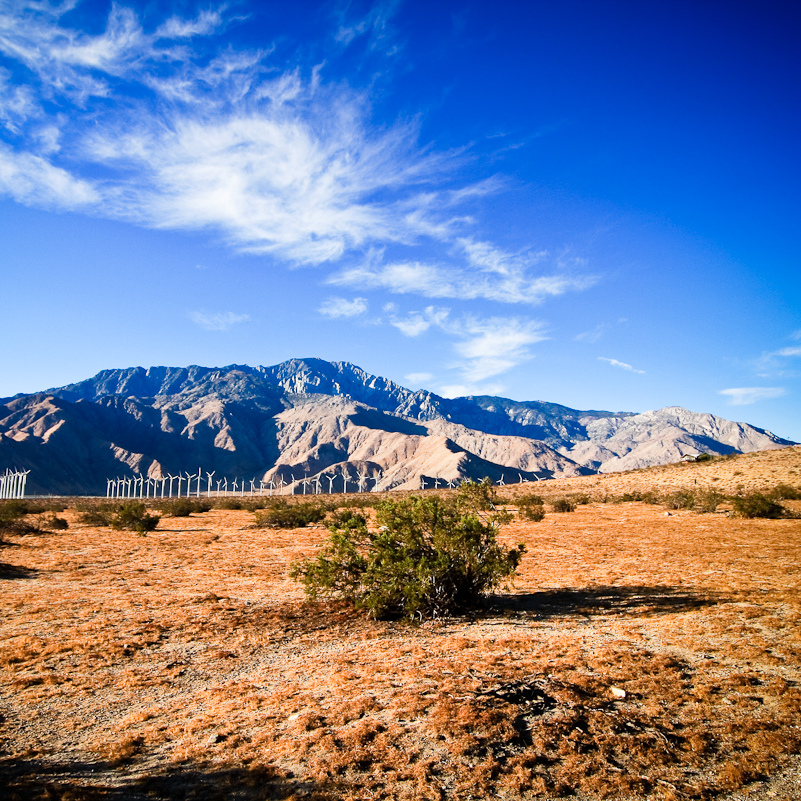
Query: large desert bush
424	557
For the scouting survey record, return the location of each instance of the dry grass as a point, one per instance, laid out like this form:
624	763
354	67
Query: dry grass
638	655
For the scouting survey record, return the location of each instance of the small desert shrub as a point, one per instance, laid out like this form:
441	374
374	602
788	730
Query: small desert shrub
429	557
580	498
784	492
183	507
13	510
757	505
680	499
52	523
228	503
708	500
37	507
290	515
563	505
96	515
132	516
530	507
12	513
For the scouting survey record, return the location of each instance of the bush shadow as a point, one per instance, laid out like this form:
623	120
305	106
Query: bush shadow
635	600
9	571
32	780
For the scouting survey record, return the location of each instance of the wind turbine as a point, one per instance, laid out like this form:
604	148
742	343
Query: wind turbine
281	485
436	483
331	482
252	486
317	485
500	481
235	484
362	476
292	475
271	485
305	480
208	486
225	487
218	482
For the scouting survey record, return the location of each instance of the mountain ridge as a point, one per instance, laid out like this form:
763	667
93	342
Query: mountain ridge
328	422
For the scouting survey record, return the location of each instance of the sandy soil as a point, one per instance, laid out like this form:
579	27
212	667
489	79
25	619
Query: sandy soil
639	654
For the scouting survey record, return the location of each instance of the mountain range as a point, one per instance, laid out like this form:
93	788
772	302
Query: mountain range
329	423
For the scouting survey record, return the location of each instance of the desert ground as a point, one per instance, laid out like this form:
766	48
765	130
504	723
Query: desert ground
641	653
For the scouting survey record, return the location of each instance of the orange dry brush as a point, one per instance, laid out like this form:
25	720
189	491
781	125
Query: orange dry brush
638	655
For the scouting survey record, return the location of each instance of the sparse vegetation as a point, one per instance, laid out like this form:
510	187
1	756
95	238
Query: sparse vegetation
282	514
183	507
187	665
51	522
756	504
531	507
426	557
563	505
133	516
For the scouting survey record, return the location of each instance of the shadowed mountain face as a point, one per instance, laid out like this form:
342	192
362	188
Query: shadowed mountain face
329	423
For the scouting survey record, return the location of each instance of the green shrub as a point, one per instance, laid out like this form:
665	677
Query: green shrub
428	557
290	515
563	505
132	516
757	505
531	507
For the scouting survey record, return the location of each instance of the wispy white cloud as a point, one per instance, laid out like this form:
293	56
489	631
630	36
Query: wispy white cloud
375	25
776	363
745	396
621	365
33	180
492	346
486	272
418	378
593	335
187	135
341	307
416	323
484	347
217	321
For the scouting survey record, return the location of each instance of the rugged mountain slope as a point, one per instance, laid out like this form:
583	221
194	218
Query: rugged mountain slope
664	436
331	423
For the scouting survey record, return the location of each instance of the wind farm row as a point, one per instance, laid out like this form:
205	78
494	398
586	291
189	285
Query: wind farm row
203	484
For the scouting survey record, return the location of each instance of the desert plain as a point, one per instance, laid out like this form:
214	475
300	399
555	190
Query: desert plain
641	653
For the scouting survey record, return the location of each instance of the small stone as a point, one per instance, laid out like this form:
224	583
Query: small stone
213	739
617	692
668	514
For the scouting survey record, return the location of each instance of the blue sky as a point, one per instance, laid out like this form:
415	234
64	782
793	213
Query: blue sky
591	203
